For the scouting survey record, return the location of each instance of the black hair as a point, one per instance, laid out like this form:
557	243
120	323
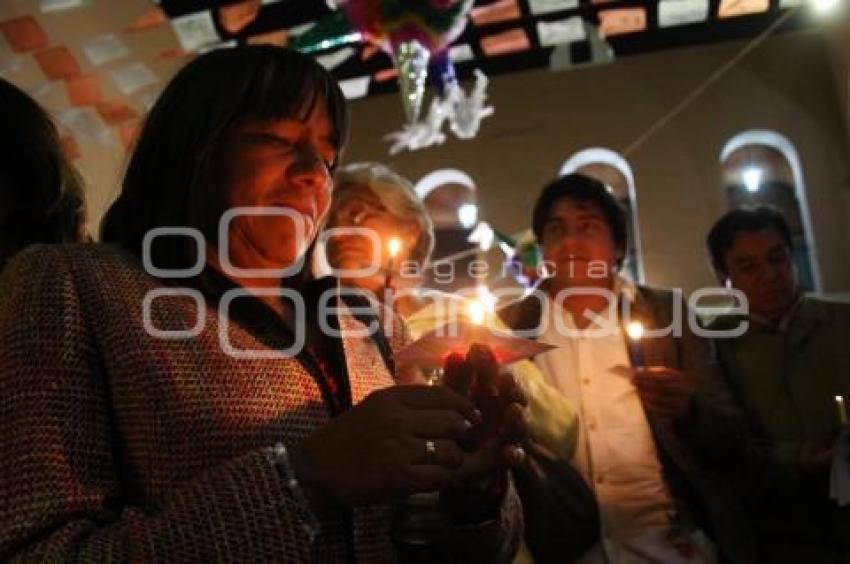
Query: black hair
165	183
722	235
41	195
581	188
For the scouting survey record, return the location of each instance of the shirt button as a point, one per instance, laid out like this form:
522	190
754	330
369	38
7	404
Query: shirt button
600	479
586	381
592	426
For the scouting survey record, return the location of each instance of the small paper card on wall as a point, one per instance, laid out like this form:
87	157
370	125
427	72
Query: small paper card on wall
681	12
24	34
104	49
133	77
548	6
561	32
57	63
195	30
84	90
47	6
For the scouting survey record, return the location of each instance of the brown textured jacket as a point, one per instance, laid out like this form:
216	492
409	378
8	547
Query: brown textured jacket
701	456
117	446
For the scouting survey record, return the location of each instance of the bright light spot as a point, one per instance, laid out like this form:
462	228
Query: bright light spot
634	330
824	6
752	178
476	312
486	298
394	246
483	235
467	214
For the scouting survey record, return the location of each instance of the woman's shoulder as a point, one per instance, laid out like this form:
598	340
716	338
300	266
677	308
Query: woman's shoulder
91	265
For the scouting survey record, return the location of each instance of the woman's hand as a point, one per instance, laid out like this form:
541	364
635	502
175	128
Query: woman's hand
396	442
492	445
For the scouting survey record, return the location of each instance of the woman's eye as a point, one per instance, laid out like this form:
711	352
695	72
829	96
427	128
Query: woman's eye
281	141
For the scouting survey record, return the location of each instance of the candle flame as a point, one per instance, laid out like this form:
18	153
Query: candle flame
634	330
394	246
477	312
487	299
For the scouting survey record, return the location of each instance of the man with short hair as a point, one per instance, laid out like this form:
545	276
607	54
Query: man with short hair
786	372
654	432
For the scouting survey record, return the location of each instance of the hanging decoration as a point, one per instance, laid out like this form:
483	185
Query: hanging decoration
525	261
417	35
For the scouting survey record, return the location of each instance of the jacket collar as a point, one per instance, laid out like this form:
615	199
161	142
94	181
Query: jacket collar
526	314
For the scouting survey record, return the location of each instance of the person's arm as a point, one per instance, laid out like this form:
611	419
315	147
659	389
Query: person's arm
714	424
552	418
64	496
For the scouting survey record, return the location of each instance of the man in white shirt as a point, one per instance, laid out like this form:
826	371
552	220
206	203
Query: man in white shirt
654	432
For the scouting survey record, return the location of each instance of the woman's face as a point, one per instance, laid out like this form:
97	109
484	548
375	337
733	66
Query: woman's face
278	164
354	251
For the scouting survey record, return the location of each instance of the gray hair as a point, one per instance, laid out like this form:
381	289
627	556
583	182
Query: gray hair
394	192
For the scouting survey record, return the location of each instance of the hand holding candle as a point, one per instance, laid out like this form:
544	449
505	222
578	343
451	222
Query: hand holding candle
498	397
666	393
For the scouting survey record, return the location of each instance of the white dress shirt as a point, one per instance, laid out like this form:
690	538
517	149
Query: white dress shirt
616	451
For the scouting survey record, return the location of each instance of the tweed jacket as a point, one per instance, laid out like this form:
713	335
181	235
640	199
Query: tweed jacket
120	446
699	455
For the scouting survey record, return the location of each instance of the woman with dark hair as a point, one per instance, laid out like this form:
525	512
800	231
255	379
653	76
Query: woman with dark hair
41	197
184	393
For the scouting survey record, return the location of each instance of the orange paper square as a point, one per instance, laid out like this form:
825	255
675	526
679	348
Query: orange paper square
509	41
58	63
24	34
500	11
127	133
84	90
149	20
735	8
236	17
116	112
621	21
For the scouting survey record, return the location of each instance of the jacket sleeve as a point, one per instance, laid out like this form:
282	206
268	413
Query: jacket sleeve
552	418
63	496
715	425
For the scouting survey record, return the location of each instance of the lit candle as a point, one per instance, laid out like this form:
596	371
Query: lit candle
477	311
842	411
393	248
634	330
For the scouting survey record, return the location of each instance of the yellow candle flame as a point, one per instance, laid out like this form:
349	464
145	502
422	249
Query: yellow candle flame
477	312
634	330
394	246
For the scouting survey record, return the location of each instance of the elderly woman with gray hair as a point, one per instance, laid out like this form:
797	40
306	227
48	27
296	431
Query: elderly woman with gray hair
372	207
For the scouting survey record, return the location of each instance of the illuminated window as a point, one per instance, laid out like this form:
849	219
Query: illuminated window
762	168
451	198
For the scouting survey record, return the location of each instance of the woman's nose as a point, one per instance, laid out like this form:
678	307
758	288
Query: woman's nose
309	167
